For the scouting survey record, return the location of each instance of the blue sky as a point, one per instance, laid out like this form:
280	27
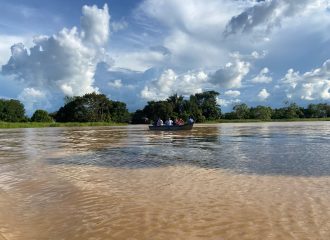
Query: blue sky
258	52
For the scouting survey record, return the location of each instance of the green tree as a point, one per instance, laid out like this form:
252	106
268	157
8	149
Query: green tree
190	108
261	112
118	112
160	109
41	116
207	103
177	104
293	111
317	110
12	111
241	111
289	112
139	117
92	107
201	106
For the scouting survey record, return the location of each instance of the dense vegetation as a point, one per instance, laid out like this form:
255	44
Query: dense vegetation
41	116
291	111
12	111
92	107
96	109
89	108
201	106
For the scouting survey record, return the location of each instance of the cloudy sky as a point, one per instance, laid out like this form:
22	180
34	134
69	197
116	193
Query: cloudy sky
261	52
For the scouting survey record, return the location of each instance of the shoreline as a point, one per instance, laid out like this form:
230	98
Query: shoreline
271	120
9	125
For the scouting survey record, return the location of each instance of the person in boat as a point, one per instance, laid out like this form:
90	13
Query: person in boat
191	120
169	122
160	122
179	122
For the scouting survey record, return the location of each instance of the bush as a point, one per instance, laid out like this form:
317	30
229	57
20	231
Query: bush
41	116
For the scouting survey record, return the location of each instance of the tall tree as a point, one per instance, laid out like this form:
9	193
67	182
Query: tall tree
12	111
92	107
177	103
207	102
242	111
261	112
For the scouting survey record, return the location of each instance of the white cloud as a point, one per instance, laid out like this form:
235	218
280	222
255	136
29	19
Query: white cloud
262	77
227	103
192	29
232	74
6	41
313	85
33	99
291	78
116	83
95	24
64	63
118	25
233	94
263	95
170	83
193	15
264	15
139	60
258	55
186	38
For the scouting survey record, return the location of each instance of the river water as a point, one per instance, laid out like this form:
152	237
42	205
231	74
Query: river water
224	181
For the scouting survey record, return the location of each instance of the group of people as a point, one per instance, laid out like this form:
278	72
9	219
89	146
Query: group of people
170	122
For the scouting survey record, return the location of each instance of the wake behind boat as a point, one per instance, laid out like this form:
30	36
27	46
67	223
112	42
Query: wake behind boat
172	127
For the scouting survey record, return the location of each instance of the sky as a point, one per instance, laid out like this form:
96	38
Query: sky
258	52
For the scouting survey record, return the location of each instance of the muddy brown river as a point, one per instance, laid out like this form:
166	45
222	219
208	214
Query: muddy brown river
224	181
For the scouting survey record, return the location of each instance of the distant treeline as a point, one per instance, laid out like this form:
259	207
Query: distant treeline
291	111
202	107
91	107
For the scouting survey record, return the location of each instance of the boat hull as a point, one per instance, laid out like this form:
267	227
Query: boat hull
172	128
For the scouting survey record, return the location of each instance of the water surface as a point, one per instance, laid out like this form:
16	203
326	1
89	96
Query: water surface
225	181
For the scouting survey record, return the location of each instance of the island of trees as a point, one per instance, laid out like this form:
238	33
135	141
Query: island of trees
203	107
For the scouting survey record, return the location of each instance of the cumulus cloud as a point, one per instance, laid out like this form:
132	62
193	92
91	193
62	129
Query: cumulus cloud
232	93
192	29
263	94
232	74
116	83
265	15
33	99
65	62
227	103
170	83
313	85
5	44
262	77
95	24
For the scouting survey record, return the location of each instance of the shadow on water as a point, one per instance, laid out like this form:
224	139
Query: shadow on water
247	149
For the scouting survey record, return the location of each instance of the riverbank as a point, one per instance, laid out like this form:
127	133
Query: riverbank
56	124
93	124
271	120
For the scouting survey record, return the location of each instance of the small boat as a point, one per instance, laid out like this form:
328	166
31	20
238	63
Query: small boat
171	128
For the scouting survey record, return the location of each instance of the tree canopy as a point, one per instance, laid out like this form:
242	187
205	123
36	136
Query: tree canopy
41	116
92	107
290	111
12	111
201	106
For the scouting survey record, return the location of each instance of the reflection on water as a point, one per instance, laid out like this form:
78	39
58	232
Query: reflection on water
226	181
